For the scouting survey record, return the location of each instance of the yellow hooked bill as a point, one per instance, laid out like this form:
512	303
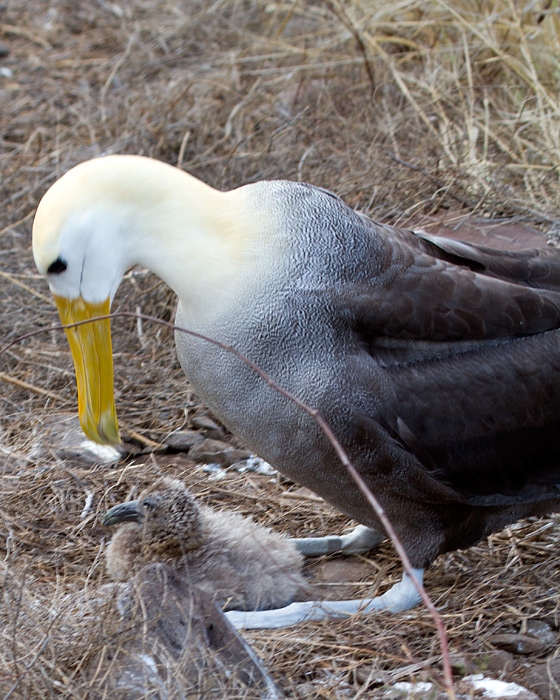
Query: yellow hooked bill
90	344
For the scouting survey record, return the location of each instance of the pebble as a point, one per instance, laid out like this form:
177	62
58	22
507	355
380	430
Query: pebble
182	440
500	662
544	679
524	644
461	665
208	427
216	451
543	631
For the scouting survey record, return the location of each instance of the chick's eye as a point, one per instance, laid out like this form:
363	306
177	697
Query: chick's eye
56	267
146	503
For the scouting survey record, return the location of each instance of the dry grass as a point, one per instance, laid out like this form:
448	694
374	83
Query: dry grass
406	109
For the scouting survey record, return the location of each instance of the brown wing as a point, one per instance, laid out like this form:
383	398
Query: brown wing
465	335
439	290
536	267
485	422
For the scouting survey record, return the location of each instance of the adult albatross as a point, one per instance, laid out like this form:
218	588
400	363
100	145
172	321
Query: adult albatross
436	363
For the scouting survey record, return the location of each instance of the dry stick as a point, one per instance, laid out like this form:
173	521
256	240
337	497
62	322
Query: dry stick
434	179
25	385
342	15
24	286
341	453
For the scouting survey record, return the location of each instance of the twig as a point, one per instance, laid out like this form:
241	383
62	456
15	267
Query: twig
10	227
143	440
433	178
182	148
20	31
29	666
341	453
340	12
112	75
25	385
34	293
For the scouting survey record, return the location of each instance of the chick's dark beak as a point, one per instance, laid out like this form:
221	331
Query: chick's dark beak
124	512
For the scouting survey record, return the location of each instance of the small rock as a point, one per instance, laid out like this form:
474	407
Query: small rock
461	664
544	679
208	427
182	440
370	676
499	690
543	631
524	644
305	690
204	422
222	453
500	662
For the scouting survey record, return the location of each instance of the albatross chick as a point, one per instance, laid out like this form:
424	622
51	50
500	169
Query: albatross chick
238	563
436	363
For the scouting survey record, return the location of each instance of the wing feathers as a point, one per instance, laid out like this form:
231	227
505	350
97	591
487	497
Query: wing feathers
537	267
462	333
440	290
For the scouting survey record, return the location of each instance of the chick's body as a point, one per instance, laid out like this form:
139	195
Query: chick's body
240	564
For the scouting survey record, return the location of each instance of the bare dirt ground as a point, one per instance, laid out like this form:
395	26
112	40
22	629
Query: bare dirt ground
417	113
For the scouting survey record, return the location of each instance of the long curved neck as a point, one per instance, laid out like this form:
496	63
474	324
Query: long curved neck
192	236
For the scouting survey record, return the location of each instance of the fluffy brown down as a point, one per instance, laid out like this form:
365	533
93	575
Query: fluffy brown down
242	565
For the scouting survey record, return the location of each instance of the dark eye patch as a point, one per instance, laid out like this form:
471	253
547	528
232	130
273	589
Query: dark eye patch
56	267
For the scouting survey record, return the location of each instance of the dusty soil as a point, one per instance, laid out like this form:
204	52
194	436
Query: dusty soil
354	99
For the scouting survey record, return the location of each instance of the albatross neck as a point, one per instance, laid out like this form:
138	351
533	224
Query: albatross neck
192	236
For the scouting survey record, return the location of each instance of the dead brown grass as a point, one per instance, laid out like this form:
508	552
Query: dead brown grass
405	109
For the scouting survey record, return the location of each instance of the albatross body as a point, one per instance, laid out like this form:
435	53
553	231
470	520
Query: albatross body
436	363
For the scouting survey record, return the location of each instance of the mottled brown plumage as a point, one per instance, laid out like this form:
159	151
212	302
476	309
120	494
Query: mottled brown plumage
240	564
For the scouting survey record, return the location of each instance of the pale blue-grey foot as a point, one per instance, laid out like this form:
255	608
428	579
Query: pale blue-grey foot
359	541
401	596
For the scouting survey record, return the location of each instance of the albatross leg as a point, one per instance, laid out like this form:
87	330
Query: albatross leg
359	541
401	596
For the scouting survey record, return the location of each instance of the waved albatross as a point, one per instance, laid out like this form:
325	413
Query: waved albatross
436	363
239	564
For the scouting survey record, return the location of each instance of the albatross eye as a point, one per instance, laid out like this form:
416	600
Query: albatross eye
149	505
56	267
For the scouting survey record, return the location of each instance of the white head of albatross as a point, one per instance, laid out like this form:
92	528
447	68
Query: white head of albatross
110	213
